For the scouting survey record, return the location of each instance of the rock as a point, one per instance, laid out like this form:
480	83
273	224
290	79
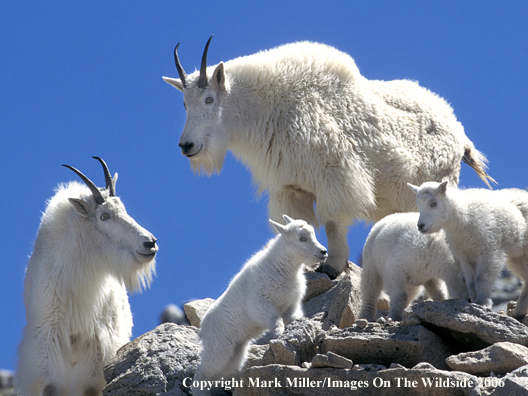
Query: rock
407	345
296	345
156	362
471	325
317	283
6	379
340	305
331	360
196	310
280	380
499	358
513	384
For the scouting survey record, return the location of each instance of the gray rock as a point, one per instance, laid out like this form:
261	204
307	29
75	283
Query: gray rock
317	283
196	310
472	325
155	362
340	305
293	380
331	360
513	384
499	358
406	345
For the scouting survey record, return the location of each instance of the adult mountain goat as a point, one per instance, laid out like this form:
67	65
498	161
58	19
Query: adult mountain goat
312	130
88	251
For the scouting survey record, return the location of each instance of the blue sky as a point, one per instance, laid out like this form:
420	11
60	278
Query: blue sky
83	79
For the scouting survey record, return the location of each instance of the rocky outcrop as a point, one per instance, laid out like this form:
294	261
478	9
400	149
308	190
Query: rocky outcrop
449	348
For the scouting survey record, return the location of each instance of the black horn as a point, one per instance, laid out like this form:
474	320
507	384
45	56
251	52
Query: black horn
181	72
202	82
110	185
99	199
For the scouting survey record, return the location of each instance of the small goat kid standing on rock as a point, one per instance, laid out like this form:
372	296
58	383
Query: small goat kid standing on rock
484	229
87	253
265	294
399	259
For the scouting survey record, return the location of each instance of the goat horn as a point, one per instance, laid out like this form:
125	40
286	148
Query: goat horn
99	199
110	186
181	72
202	82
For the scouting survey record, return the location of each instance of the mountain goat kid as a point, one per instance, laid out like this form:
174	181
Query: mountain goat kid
87	253
313	130
399	259
484	229
265	294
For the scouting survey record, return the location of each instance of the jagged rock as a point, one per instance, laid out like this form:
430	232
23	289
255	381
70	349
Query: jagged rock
296	345
155	362
512	384
331	360
340	305
196	310
406	345
472	325
279	380
317	283
499	358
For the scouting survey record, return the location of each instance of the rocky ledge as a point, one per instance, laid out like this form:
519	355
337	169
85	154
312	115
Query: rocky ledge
448	348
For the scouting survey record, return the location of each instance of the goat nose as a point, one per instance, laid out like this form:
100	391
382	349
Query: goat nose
324	252
150	244
186	147
421	226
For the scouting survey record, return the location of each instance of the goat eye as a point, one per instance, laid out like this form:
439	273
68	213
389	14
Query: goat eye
209	100
104	216
303	239
432	204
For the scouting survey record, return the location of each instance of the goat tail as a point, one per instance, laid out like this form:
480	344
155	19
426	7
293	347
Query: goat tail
477	161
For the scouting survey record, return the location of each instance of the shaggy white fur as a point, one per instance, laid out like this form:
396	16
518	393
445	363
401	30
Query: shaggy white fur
85	257
399	259
315	132
484	229
265	294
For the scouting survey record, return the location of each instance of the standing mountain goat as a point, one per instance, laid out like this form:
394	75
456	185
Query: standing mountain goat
399	259
484	229
88	251
313	130
265	294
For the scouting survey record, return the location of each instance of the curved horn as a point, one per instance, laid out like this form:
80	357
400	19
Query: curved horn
110	186
202	82
99	199
181	72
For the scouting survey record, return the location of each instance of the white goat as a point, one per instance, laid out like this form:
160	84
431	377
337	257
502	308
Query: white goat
484	229
265	294
313	130
399	259
88	251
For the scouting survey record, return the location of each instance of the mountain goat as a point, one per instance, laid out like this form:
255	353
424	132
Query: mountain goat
484	229
87	253
399	259
313	130
265	294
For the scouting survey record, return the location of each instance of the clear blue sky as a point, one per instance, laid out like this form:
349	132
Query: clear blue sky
83	79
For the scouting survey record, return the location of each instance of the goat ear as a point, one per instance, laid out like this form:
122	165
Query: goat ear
175	82
81	206
413	188
219	77
287	218
277	226
442	188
